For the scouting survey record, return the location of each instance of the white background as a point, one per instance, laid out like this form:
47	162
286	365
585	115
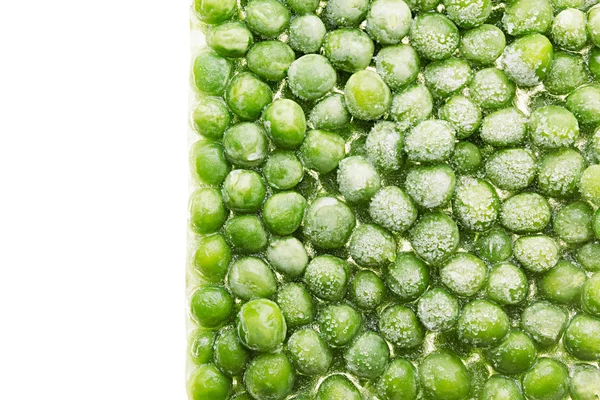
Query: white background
93	194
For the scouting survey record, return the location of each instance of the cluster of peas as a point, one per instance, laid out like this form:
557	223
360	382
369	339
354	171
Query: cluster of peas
396	200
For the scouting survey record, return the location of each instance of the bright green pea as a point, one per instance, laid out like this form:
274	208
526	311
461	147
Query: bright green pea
303	6
357	179
307	33
573	223
399	381
338	387
482	324
443	376
476	204
283	212
407	277
261	325
349	50
339	324
590	295
400	326
435	238
251	277
547	380
544	323
201	346
433	25
525	212
230	356
243	190
296	304
208	162
464	274
212	257
503	128
411	106
211	306
494	246
536	253
430	141
562	284
283	170
589	185
388	21
483	45
551	127
207	382
398	65
247	96
267	18
438	310
368	290
527	60
499	388
308	352
559	172
207	212
330	113
511	169
311	77
490	88
346	13
211	117
246	145
367	95
430	186
468	13
211	73
523	17
448	76
269	377
507	284
466	158
593	25
582	337
367	356
285	123
462	113
246	233
270	59
584	103
384	146
567	72
287	255
569	29
594	62
215	11
585	382
328	222
231	39
588	256
393	209
423	5
372	246
327	277
515	354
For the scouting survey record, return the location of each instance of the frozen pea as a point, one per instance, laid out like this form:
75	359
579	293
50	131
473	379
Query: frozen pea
398	65
463	114
507	284
211	117
270	59
588	256
464	274
367	95
590	295
215	11
308	352
401	327
211	306
207	382
567	72
525	212
269	376
339	324
287	255
357	179
200	346
328	222
593	25
311	77
247	96
251	277
283	170
476	204
430	186
547	380
594	62
206	210
212	257
372	246
245	145
430	141
349	50
562	284
285	123
511	169
553	126
368	290
267	18
243	190
346	13
322	151
393	209
560	4
307	33
544	322
584	103
483	45
330	113
443	376
468	13
230	355
582	339
399	381
211	73
384	146
433	25
327	277
516	353
490	88
435	238
388	21
246	233
499	387
573	223
585	382
407	277
411	106
337	387
261	325
296	304
494	246
367	356
303	6
536	253
559	172
482	324
438	310
423	5
569	29
466	158
526	60
523	17
231	39
448	76
208	162
589	184
503	128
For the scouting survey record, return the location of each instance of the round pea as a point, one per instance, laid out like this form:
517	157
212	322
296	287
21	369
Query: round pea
211	73
494	246
283	170
247	96
483	45
553	126
411	106
400	326
368	290
511	169
468	13
562	284
430	141
503	128
349	50
523	17
515	354
267	18
423	5
367	95
285	123
559	172
573	223
327	277
231	39
499	387
588	256
339	324
330	113
482	324
525	212
507	284
526	60
338	387
594	62
388	21
372	246
544	323
491	88
201	346
589	184
270	59
328	222
446	77
243	190
346	13
311	77
251	277
211	117
367	356
212	257
261	325
269	377
230	356
536	253
207	212
246	233
399	381
287	255
303	6
430	186
215	11
476	204
584	103
466	158
433	25
308	352
207	382
211	306
464	274
593	22
438	310
569	29
307	33
567	72
296	304
443	376
463	114
547	380
585	382
590	295
435	238
407	277
357	179
582	337
398	65
283	212
245	145
384	146
208	162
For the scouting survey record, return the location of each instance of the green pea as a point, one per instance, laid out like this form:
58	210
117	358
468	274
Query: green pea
372	246
251	277
590	295
588	256
303	6
247	96
482	324
398	65
267	18
230	356
430	186
231	39
399	381
338	387
499	387
269	377
466	158
585	382
536	253
285	123
593	22
400	326
328	222
368	290
384	146
569	29
211	73
411	106
527	60
584	103
547	380
311	77
245	145
388	21
283	212
443	376
208	162
491	88
511	169
349	50
476	204
562	284
544	323
560	4
596	143
242	396
270	59
435	238
246	233
287	255
430	141
330	113
212	257
464	274
308	352
407	277
594	62
215	11
367	95
296	304
462	113
582	337
283	170
523	17
446	77
525	212
423	5
573	223
468	13
589	186
207	212
567	72
207	382
596	224
553	126
243	190
503	128
201	346
494	246
339	324
515	354
261	325
357	179
211	117
327	277
438	310
559	172
211	306
307	33
483	45
507	284
346	13
367	356
433	25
